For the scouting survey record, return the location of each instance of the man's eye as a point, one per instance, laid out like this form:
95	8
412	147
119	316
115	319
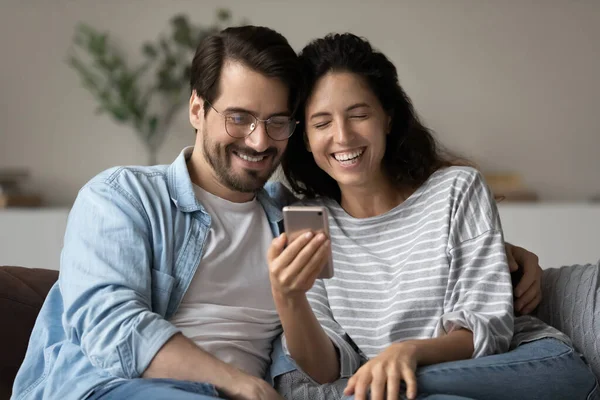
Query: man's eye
279	123
240	119
361	116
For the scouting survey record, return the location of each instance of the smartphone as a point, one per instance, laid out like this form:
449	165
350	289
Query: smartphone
298	220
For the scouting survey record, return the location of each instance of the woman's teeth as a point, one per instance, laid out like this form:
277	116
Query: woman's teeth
348	156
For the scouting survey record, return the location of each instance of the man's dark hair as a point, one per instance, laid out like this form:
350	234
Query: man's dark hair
260	49
411	154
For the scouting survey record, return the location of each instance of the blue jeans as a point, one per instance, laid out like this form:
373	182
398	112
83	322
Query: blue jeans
169	389
544	369
156	389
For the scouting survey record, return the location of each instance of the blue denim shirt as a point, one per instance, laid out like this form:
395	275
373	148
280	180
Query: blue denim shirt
133	242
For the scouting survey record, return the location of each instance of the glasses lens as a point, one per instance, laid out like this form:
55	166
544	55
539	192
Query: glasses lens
280	128
240	124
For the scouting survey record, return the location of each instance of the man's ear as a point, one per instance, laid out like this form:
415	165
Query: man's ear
196	110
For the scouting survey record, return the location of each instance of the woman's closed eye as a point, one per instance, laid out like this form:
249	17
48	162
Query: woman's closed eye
321	124
324	124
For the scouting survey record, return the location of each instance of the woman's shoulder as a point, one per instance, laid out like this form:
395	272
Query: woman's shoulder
455	184
457	171
456	177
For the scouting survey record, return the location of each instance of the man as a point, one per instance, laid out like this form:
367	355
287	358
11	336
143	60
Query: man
163	292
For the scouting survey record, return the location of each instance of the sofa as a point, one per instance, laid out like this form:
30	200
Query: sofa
571	304
22	293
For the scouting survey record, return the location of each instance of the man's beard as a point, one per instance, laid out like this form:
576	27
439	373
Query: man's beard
247	181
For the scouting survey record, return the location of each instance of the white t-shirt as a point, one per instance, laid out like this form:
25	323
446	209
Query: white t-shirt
228	310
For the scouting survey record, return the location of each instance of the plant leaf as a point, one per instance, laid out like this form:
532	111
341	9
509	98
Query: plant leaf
149	50
148	95
152	125
223	14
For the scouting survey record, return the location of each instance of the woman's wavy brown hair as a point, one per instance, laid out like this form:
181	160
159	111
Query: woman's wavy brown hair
412	154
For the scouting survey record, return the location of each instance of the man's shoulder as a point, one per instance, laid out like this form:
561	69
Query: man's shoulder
128	175
280	194
283	196
133	182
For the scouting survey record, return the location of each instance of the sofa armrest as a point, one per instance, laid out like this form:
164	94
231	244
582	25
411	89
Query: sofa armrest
571	304
22	293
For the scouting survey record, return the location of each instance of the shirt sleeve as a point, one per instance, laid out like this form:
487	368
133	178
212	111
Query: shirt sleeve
280	193
350	360
106	279
479	295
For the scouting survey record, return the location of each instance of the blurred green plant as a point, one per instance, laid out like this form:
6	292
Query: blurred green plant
149	95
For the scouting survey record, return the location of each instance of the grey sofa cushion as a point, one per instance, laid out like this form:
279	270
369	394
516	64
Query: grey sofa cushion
571	303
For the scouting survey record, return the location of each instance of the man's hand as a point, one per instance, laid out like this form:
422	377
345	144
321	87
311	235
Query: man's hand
384	373
528	292
181	359
252	388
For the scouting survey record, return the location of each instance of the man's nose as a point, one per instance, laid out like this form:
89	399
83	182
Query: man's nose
258	140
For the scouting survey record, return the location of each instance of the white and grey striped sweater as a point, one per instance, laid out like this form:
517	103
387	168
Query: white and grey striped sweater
433	264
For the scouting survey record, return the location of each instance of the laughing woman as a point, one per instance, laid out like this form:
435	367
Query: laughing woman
421	301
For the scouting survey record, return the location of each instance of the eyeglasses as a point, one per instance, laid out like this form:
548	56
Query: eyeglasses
241	124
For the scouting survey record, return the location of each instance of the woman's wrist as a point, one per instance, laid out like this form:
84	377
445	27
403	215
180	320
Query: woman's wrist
412	348
289	300
457	345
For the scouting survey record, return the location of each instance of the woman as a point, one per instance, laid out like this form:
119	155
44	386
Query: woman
421	277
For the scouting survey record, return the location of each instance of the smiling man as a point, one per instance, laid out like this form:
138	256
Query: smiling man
131	301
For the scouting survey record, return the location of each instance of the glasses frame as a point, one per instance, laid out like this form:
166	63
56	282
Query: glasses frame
256	121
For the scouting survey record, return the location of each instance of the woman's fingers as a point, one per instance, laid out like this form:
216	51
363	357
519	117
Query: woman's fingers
411	382
393	384
288	255
361	389
313	267
300	263
302	260
378	383
276	248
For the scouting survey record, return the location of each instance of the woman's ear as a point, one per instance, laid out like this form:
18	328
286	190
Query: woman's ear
306	142
389	124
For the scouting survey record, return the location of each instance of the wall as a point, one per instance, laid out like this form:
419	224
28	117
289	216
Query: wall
560	234
512	84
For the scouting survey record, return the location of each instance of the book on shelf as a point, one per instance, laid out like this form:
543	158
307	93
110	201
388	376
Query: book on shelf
9	188
509	187
20	200
13	175
11	191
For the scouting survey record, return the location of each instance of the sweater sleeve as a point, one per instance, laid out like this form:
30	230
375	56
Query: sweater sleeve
479	295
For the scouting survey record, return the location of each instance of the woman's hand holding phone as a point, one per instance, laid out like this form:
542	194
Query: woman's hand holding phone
294	268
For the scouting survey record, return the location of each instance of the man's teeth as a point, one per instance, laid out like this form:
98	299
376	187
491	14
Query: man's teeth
250	158
348	156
